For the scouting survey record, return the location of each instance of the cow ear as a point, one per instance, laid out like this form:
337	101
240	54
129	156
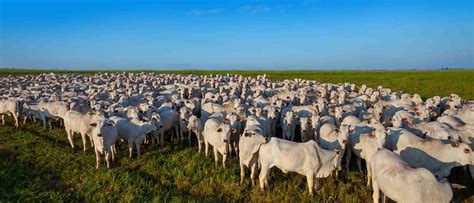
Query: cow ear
457	186
219	130
93	124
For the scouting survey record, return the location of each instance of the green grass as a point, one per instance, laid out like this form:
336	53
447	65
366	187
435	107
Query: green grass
427	83
40	165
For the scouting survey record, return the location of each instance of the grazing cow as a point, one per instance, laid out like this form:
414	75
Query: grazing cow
307	159
134	131
402	183
104	135
433	154
13	107
217	134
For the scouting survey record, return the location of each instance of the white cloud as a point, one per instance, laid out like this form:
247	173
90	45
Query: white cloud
200	12
254	9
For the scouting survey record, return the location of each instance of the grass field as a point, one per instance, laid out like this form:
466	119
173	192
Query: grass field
36	164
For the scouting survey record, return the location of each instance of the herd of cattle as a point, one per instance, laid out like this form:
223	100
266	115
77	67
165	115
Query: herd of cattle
302	126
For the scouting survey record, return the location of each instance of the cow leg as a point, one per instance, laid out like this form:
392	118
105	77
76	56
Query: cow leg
189	138
107	157
49	123
200	142
69	137
44	123
206	147
112	148
181	134
162	137
16	120
137	144
376	194
316	184
369	174
24	119
97	159
83	136
236	148
253	170
3	119
348	156
224	157
263	176
176	131
310	180
359	164
92	141
242	173
216	158
130	148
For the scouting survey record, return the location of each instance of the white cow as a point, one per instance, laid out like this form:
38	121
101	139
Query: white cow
364	144
104	135
289	125
249	145
10	106
402	183
36	113
209	108
195	125
217	134
78	122
307	159
236	130
169	122
433	155
330	137
134	131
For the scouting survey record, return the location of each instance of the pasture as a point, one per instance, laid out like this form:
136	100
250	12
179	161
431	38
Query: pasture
37	164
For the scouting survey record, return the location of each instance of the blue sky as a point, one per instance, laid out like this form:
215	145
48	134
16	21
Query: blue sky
179	34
